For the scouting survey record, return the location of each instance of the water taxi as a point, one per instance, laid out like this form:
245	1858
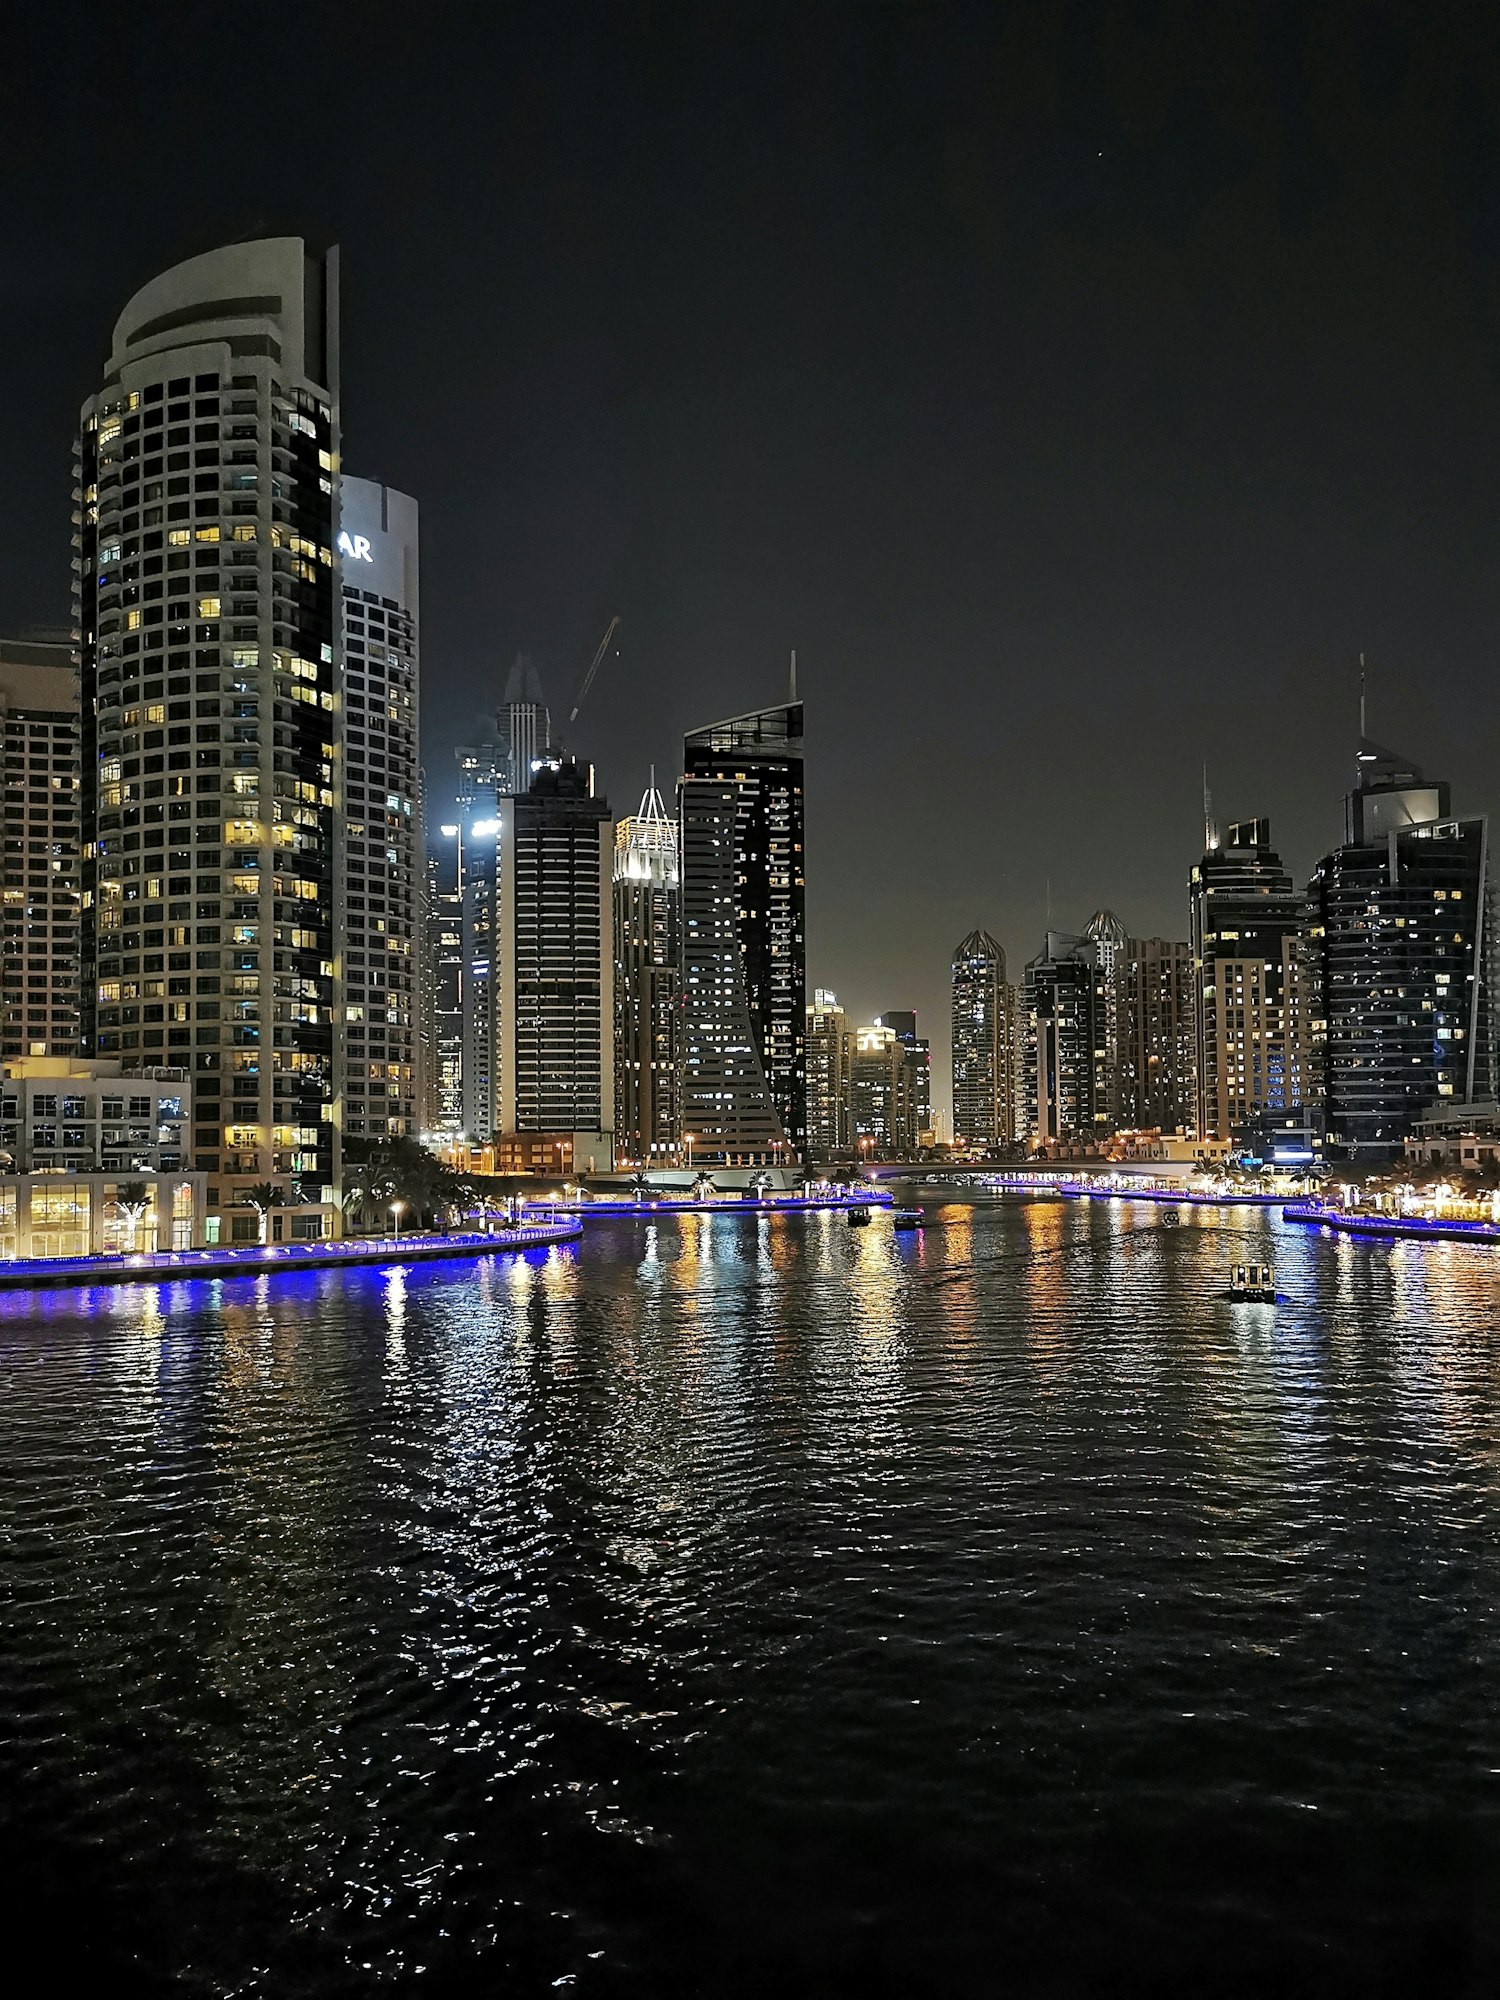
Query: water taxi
907	1218
1252	1284
859	1217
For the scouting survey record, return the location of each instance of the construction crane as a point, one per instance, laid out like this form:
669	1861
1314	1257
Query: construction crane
588	679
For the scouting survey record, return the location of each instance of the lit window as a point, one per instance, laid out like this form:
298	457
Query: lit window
208	607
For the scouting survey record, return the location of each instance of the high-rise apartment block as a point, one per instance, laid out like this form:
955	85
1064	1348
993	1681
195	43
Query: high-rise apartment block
1067	1068
830	1051
556	974
744	995
39	717
917	1059
1401	929
984	1044
1253	1023
210	629
1154	1021
379	873
648	932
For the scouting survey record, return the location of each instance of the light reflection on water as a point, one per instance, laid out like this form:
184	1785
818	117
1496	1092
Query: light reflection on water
993	1591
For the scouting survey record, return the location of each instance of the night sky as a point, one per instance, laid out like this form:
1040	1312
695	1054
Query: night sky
1078	390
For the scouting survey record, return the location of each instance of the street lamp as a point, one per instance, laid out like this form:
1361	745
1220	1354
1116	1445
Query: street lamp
688	1138
396	1208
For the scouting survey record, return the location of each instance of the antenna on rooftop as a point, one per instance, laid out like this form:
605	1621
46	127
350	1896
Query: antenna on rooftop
1210	832
792	689
1361	697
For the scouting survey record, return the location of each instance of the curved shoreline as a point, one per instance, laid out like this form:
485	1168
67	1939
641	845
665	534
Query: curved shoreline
255	1260
1391	1227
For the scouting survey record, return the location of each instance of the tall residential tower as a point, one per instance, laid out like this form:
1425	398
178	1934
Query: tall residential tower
208	612
744	946
1402	949
983	1044
647	918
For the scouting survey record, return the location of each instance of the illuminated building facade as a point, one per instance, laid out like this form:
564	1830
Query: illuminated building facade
39	719
208	611
830	1048
1112	942
880	1091
648	935
983	1048
380	834
1154	1023
744	980
1252	1020
917	1059
556	969
1403	960
1066	1074
443	980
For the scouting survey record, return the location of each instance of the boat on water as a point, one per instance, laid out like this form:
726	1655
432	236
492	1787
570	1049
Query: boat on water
1252	1284
859	1217
907	1218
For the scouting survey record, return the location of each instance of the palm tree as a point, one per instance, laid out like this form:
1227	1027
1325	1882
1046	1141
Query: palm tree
263	1197
133	1198
640	1183
703	1186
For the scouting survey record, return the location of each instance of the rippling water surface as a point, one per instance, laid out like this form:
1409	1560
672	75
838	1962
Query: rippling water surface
735	1606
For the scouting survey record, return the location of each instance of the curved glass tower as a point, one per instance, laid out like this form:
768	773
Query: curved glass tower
744	954
209	639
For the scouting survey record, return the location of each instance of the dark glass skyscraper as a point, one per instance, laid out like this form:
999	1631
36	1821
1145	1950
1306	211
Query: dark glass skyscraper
744	985
1401	945
556	969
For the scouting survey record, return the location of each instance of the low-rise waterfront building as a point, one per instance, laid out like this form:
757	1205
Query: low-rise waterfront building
93	1160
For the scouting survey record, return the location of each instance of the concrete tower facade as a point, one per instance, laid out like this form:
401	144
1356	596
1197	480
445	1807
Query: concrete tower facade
39	948
380	836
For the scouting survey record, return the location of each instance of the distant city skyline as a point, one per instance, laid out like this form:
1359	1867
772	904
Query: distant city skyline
1071	444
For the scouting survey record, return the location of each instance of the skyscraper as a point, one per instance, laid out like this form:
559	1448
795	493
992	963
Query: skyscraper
1112	941
744	948
917	1057
648	936
1402	954
830	1050
983	1044
210	632
39	936
880	1091
443	976
1066	1069
556	973
1253	1034
1155	1022
380	835
523	723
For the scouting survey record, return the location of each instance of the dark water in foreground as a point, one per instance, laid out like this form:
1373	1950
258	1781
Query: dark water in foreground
734	1606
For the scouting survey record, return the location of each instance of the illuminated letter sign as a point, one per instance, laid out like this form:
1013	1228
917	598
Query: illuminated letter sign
355	547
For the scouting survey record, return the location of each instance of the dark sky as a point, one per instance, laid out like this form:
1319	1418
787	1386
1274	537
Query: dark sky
1079	390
